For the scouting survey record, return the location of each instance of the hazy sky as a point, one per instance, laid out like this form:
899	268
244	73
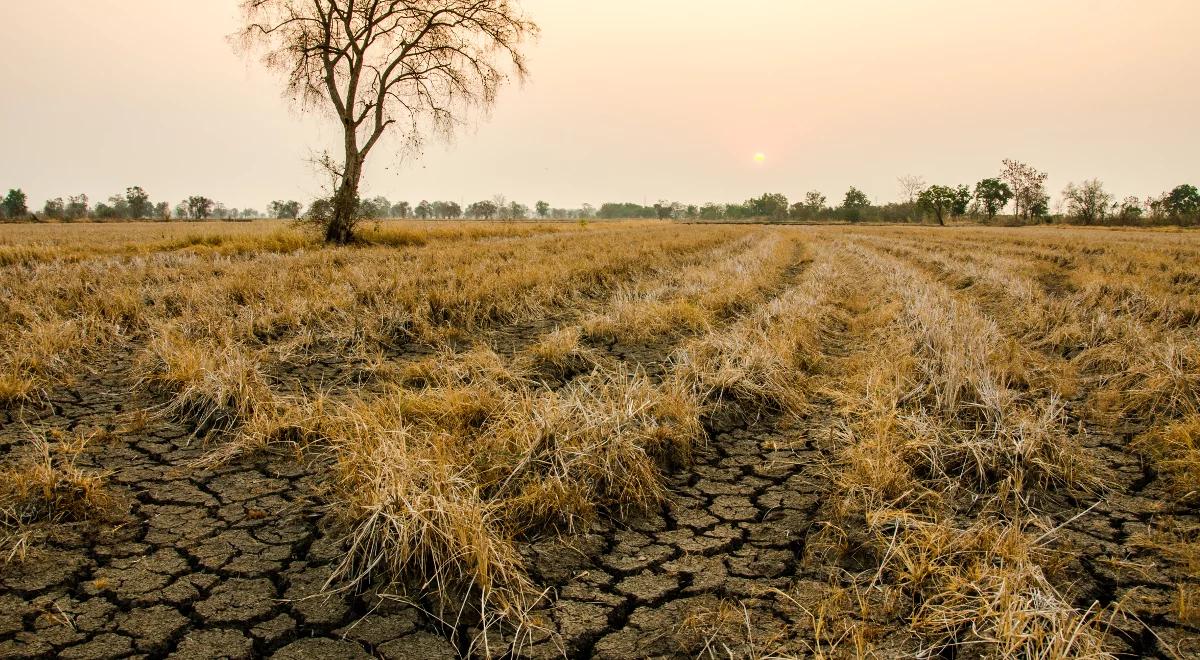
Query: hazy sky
630	100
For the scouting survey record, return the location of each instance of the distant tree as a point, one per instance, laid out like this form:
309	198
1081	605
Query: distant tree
446	210
14	204
77	207
911	186
854	203
691	212
1028	187
543	209
382	66
1128	211
374	209
118	207
381	207
662	209
162	211
138	203
518	211
285	210
1039	207
181	211
1182	202
424	210
55	209
104	212
812	206
400	210
199	207
962	201
771	205
615	210
319	212
1088	201
587	211
736	211
992	195
483	210
938	200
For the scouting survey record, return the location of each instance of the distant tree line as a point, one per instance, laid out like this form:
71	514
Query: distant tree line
136	204
1018	186
496	208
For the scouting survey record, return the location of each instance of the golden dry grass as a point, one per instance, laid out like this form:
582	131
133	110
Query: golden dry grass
963	368
46	485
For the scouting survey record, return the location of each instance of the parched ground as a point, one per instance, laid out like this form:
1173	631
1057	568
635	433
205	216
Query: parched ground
232	561
205	560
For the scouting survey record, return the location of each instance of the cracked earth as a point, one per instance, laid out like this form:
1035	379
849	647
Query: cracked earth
202	561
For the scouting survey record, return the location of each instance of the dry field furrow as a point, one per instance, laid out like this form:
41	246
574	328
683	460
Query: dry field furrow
1129	543
620	440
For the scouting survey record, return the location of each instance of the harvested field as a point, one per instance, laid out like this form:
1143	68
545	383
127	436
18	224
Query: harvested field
611	440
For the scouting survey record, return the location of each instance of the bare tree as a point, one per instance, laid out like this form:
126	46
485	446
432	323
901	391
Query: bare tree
911	186
376	64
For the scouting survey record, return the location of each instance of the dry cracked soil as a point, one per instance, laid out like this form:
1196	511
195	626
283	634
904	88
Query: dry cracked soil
232	561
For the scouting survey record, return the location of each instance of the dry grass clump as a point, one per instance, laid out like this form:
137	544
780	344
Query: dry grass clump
725	628
825	621
692	300
415	510
1160	379
982	587
561	354
971	427
762	359
939	465
439	478
42	355
15	389
1175	448
600	443
217	387
46	485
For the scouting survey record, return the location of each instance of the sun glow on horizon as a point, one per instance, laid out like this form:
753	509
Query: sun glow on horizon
760	157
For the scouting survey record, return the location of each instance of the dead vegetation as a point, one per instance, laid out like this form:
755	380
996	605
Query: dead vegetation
45	484
979	383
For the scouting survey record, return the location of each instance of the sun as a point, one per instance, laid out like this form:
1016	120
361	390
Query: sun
760	157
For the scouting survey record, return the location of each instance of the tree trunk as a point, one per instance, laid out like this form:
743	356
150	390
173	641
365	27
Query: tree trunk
340	230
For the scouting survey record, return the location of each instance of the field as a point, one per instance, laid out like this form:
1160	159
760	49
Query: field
609	440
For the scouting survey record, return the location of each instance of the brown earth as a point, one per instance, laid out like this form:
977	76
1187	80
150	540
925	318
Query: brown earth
232	561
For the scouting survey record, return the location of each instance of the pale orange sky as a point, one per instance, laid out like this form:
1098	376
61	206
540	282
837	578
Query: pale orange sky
631	100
